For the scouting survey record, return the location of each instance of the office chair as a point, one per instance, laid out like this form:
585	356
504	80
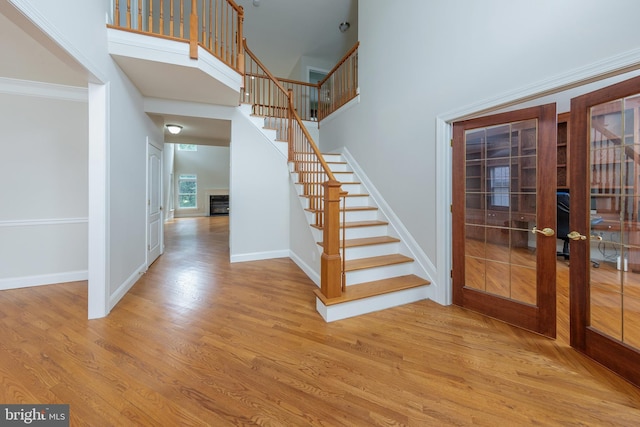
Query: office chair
562	227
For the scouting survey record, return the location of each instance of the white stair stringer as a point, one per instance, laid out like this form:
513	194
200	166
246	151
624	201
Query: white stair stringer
270	134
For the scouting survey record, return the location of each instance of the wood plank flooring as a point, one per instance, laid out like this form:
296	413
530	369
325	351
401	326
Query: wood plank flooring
199	341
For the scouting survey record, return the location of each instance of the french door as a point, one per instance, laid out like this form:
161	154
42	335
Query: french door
604	220
504	217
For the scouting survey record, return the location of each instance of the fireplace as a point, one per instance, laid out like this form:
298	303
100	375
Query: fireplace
218	205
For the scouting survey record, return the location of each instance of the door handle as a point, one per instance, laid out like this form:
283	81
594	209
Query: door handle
545	231
574	235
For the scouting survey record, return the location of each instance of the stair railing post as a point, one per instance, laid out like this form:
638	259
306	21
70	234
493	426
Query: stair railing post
239	41
290	129
193	30
330	262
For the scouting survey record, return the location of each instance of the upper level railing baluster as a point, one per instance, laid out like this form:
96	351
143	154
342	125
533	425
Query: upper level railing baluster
214	25
340	85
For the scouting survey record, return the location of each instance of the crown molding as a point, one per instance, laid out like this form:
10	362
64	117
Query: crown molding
42	90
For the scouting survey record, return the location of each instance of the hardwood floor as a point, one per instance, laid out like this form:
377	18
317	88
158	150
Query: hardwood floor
200	341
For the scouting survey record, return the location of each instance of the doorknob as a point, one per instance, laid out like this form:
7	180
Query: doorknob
574	235
545	231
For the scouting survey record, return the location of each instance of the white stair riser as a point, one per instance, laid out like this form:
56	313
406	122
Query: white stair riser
333	158
355	232
339	167
346	177
362	232
366	215
379	273
372	250
353	188
369	305
354	201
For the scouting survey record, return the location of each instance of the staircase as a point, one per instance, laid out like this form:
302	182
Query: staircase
380	273
379	269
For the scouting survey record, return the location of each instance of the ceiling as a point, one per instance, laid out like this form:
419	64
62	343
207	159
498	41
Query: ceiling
279	32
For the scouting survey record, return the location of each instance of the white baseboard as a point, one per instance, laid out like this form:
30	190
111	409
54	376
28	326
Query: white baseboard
43	279
126	286
257	256
310	272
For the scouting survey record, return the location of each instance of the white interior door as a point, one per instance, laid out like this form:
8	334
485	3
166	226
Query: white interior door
154	204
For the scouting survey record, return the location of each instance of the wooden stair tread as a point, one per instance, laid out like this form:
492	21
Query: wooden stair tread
355	224
367	241
350	209
316	196
342	183
377	261
329	162
371	289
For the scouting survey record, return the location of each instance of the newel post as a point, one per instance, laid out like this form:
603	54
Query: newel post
330	262
193	31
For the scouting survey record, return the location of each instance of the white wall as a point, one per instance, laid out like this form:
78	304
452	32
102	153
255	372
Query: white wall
304	249
259	195
211	165
443	56
127	129
300	71
43	187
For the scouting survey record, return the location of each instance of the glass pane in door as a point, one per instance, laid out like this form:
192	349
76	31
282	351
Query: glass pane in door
615	234
500	209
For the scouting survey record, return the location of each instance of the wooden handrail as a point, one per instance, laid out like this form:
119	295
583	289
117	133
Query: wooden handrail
296	82
314	147
261	65
342	61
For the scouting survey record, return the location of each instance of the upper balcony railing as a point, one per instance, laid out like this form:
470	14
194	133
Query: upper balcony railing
312	102
341	84
215	25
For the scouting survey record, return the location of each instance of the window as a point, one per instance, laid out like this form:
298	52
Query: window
499	181
187	147
187	190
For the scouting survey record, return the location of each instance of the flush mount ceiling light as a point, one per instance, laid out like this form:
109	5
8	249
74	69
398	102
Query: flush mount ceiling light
174	129
256	3
344	26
